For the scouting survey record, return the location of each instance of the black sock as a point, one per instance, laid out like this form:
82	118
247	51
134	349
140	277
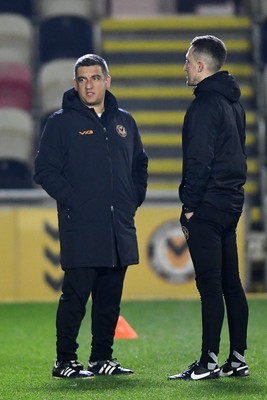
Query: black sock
208	359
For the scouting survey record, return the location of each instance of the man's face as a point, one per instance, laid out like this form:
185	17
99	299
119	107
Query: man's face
91	86
191	68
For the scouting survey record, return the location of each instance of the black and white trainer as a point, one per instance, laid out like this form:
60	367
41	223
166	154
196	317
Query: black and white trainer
236	366
230	369
108	367
196	372
70	370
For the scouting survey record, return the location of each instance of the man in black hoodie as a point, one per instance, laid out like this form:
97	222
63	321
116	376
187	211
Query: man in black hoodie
92	162
214	173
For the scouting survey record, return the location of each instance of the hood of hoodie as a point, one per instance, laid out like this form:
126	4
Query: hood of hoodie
221	82
71	100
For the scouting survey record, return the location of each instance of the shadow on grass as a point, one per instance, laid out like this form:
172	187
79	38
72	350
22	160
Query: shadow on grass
244	386
224	388
100	383
143	388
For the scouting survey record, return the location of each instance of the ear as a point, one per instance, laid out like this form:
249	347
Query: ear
108	82
200	66
75	84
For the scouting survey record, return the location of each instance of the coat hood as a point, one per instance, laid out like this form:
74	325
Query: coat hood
221	82
72	100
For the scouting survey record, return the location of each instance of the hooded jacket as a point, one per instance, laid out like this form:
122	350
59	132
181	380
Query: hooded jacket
96	170
214	157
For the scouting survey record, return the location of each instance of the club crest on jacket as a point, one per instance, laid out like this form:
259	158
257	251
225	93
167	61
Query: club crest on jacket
121	130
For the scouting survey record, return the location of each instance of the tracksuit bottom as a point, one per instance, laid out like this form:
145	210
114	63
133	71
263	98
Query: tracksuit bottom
105	286
211	238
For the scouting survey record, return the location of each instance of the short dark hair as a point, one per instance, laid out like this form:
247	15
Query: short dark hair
91	59
212	47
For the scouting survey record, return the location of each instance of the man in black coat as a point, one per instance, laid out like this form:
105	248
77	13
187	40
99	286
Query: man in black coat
214	174
92	162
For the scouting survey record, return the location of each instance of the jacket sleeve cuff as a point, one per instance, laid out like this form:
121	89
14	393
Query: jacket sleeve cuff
188	209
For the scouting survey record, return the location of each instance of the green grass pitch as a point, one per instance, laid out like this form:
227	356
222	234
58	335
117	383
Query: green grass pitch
169	340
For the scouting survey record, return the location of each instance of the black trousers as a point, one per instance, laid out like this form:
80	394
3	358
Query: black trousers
105	286
211	238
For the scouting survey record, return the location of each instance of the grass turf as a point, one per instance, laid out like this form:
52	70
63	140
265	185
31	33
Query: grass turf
169	340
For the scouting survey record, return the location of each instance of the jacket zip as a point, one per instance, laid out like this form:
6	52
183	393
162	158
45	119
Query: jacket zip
112	232
113	235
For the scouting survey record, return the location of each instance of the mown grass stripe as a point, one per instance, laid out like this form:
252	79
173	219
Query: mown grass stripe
175	23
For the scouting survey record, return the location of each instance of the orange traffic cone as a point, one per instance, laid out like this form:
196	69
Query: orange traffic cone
124	330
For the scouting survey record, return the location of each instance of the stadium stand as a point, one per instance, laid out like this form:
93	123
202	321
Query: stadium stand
64	37
52	8
149	55
54	78
17	44
146	58
24	7
16	39
15	85
16	137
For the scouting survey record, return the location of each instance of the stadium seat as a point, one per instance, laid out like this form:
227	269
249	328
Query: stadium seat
263	42
16	39
54	78
15	86
65	37
24	7
15	175
52	8
16	148
264	83
261	5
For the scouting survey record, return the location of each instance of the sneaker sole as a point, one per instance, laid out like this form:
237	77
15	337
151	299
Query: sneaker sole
74	377
103	374
241	372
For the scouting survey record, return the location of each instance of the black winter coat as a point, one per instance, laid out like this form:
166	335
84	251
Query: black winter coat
96	170
214	157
